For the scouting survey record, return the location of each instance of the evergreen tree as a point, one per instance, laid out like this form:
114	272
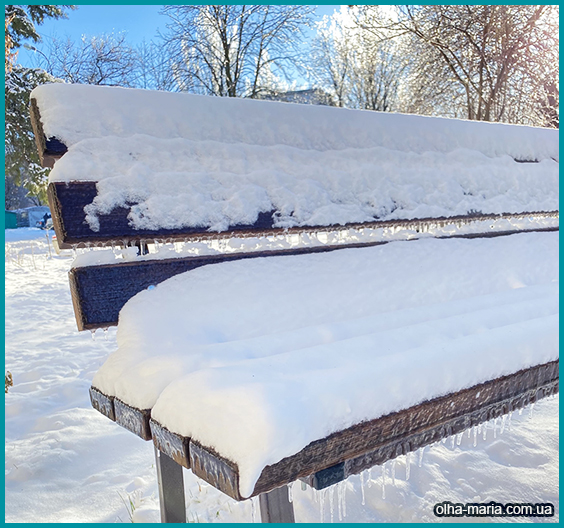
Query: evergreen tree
22	164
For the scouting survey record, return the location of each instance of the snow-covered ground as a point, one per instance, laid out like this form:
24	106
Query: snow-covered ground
67	463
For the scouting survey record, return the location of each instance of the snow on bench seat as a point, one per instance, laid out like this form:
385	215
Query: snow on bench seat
173	161
256	359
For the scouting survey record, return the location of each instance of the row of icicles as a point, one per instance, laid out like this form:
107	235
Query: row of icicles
229	242
388	470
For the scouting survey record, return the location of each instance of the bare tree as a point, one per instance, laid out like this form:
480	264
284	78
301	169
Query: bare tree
360	68
332	58
103	59
495	63
154	69
226	50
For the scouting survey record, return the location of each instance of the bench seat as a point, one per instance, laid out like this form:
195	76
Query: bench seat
316	344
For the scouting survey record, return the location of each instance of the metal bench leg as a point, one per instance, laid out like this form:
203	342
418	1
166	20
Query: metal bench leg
275	506
171	489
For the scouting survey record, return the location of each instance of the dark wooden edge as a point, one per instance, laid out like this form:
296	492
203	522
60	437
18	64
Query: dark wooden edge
134	420
216	470
56	213
49	150
72	230
174	445
77	305
333	475
102	403
352	450
99	292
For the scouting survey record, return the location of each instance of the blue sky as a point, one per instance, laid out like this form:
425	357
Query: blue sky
137	21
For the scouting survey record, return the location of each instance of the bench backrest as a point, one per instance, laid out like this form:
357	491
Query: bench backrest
100	290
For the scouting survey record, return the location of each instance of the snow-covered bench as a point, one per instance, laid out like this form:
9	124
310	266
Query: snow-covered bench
311	364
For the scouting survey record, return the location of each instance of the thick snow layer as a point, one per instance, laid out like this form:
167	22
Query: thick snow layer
189	160
64	462
261	345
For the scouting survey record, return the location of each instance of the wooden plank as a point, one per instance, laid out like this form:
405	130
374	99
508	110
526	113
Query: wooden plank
333	475
329	460
102	403
175	446
133	419
99	292
214	469
67	202
49	149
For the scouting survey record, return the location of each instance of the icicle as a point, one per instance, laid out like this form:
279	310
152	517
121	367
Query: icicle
394	471
370	478
509	421
290	494
421	451
485	430
475	436
452	442
322	505
503	420
459	438
331	501
407	466
344	498
340	500
469	430
495	427
520	411
531	410
253	510
362	487
384	481
303	485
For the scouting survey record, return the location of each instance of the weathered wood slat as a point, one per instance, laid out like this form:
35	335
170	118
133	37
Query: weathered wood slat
102	403
353	466
67	202
134	420
175	446
49	149
99	292
329	460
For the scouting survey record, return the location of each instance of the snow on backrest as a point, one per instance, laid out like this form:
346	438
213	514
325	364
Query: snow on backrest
189	160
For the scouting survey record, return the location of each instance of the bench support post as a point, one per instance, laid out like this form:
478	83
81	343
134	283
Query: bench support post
275	506
171	489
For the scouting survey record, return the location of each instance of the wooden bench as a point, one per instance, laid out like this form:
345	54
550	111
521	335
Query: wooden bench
99	291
